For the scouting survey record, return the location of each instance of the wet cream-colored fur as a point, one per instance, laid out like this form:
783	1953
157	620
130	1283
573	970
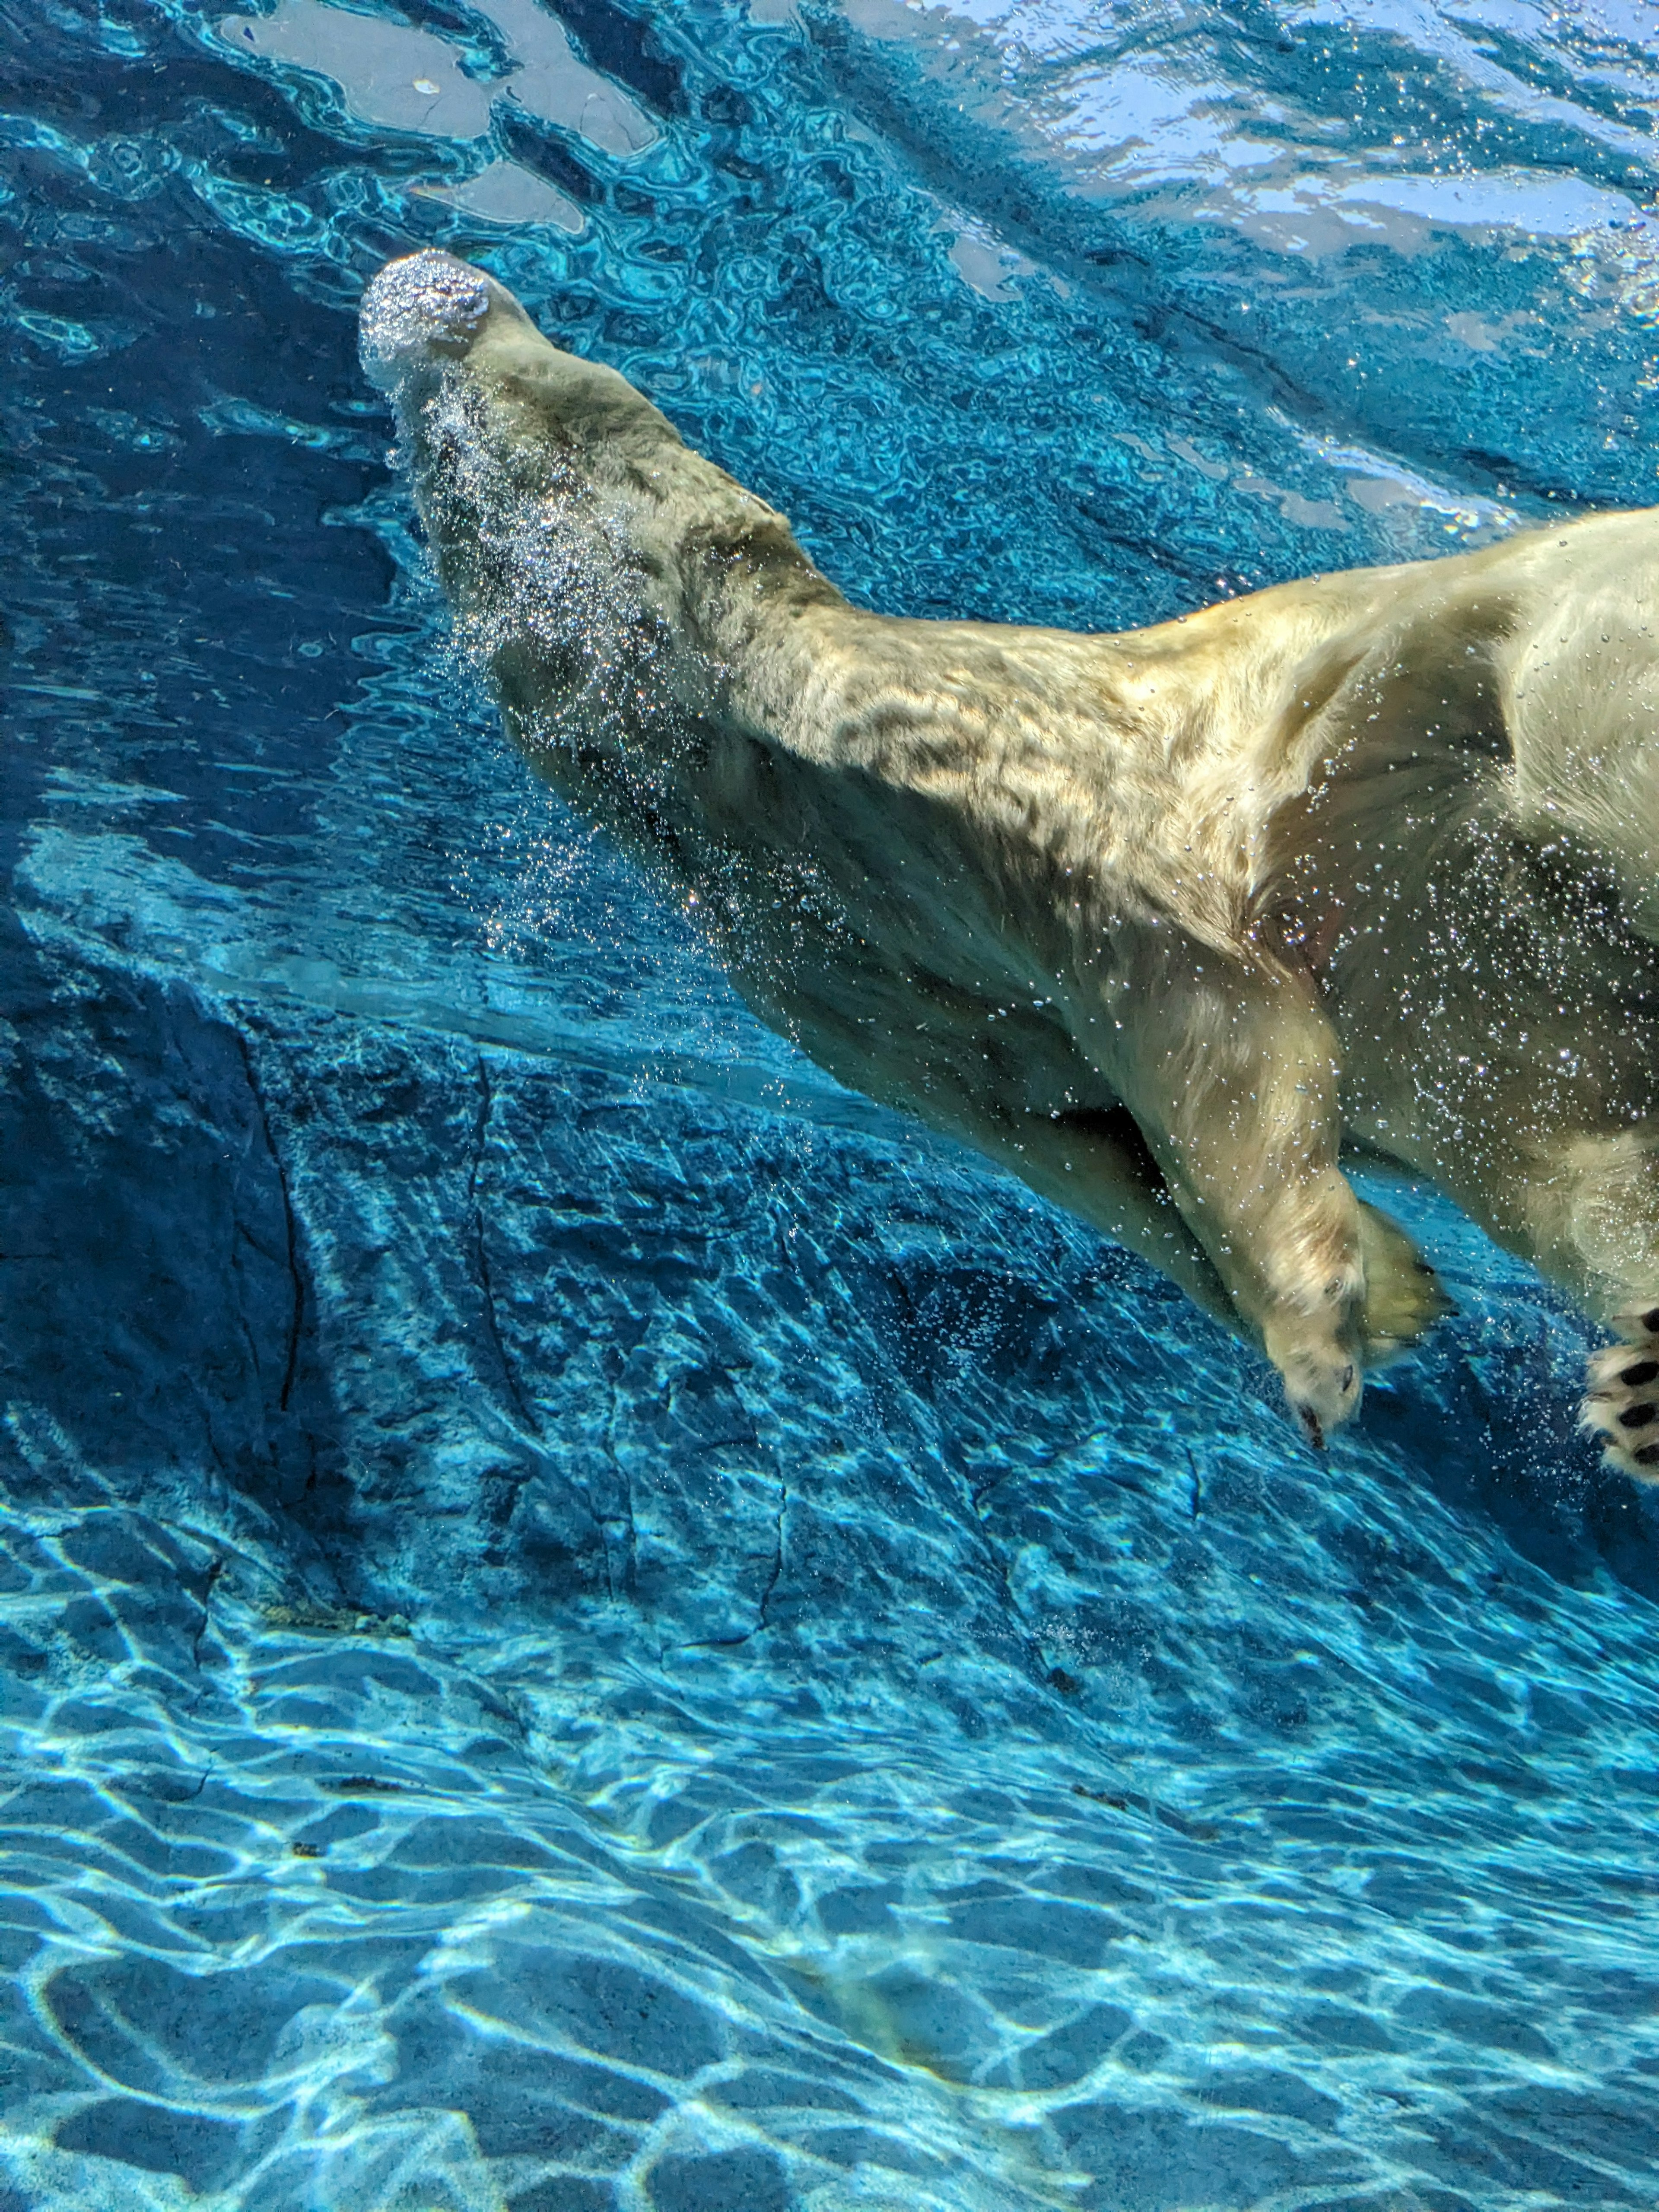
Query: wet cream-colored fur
1159	921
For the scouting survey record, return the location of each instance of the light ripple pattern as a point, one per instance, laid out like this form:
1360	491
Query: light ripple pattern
588	1622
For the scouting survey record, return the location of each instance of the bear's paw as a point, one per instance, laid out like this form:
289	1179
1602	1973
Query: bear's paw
1622	1405
1403	1296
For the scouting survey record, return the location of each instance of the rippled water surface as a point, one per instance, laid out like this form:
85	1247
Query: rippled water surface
587	1622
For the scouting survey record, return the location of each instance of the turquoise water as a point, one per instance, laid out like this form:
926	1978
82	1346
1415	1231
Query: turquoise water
588	1623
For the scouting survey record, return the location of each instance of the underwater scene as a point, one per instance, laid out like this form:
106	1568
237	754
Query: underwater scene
590	1619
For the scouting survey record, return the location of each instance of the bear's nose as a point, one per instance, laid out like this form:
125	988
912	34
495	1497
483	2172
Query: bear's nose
417	311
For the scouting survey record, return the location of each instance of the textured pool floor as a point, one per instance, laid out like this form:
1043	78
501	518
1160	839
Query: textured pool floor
721	1668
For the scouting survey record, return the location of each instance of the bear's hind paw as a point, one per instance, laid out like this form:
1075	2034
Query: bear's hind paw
1622	1405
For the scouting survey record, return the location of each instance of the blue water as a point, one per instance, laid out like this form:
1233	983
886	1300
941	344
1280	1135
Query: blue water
588	1622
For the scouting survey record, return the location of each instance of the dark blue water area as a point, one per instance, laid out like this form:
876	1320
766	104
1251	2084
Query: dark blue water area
589	1622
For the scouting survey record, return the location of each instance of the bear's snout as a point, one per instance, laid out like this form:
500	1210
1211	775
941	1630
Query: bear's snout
419	311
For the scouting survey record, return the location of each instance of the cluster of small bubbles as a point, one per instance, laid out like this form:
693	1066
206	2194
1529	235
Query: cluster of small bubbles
549	874
423	299
1620	263
547	569
1057	1634
544	575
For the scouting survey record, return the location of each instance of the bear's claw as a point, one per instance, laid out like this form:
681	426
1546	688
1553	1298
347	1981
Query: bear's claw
1622	1405
1403	1296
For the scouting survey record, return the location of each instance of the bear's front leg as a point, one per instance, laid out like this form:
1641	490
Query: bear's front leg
1231	1070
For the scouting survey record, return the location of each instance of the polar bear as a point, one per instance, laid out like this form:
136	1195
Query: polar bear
1158	921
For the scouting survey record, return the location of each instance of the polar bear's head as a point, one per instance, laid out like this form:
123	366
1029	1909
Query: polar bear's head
540	479
421	312
606	578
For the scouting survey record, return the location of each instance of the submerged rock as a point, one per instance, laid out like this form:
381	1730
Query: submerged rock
559	1634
